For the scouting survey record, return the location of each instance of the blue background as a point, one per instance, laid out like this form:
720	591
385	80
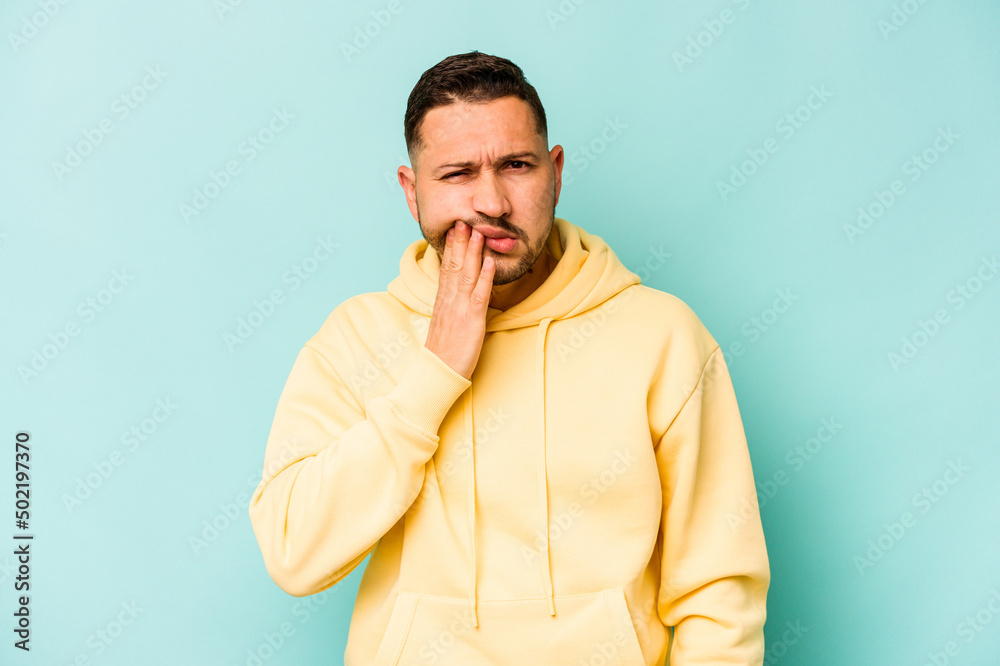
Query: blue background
694	98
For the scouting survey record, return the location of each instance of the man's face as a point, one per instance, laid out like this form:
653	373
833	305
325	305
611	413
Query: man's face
486	165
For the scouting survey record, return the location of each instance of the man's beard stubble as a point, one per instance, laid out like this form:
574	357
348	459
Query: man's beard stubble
503	273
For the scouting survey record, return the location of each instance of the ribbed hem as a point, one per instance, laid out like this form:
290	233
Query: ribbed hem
427	391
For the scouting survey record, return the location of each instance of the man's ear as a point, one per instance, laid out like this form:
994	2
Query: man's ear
408	181
556	156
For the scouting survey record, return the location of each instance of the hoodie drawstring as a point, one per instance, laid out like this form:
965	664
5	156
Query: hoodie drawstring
543	483
470	429
587	274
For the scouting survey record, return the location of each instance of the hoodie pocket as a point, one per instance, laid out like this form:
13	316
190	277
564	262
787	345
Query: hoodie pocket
587	629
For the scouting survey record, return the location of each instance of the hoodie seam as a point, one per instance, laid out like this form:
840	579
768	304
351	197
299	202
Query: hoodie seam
393	407
404	414
701	377
426	434
338	376
335	320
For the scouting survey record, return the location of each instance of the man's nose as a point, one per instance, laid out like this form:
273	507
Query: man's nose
489	196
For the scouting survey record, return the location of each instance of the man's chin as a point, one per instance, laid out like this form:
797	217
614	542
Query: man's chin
508	269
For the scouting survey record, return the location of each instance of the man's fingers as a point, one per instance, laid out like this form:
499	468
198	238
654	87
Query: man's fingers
484	285
460	242
473	260
463	266
448	250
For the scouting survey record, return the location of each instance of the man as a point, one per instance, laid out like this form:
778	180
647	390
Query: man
544	457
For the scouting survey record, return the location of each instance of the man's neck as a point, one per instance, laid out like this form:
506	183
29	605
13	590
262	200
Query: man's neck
507	296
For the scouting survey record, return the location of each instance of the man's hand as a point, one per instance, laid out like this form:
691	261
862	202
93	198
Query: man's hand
458	322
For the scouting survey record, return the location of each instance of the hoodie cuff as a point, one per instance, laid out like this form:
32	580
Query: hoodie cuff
427	390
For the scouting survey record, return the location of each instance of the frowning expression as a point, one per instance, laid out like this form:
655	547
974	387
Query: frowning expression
486	164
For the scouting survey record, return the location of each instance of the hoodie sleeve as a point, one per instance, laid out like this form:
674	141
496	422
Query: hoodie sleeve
338	475
714	569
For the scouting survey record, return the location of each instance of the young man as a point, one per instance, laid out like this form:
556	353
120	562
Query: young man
544	457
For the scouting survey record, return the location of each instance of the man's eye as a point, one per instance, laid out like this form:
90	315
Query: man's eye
454	173
517	163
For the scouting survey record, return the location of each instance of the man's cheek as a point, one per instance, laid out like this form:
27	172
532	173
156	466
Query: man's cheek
539	200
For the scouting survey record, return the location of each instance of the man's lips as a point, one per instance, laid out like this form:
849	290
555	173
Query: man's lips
493	232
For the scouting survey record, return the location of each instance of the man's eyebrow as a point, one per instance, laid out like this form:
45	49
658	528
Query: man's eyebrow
503	158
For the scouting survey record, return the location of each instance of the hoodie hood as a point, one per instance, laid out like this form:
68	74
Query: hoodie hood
587	274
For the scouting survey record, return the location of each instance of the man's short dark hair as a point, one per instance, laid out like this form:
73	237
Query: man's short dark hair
468	77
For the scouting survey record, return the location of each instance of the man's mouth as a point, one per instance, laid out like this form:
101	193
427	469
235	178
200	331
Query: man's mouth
497	239
501	245
493	232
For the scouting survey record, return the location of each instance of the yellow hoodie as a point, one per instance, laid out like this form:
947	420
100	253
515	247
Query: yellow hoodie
588	489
